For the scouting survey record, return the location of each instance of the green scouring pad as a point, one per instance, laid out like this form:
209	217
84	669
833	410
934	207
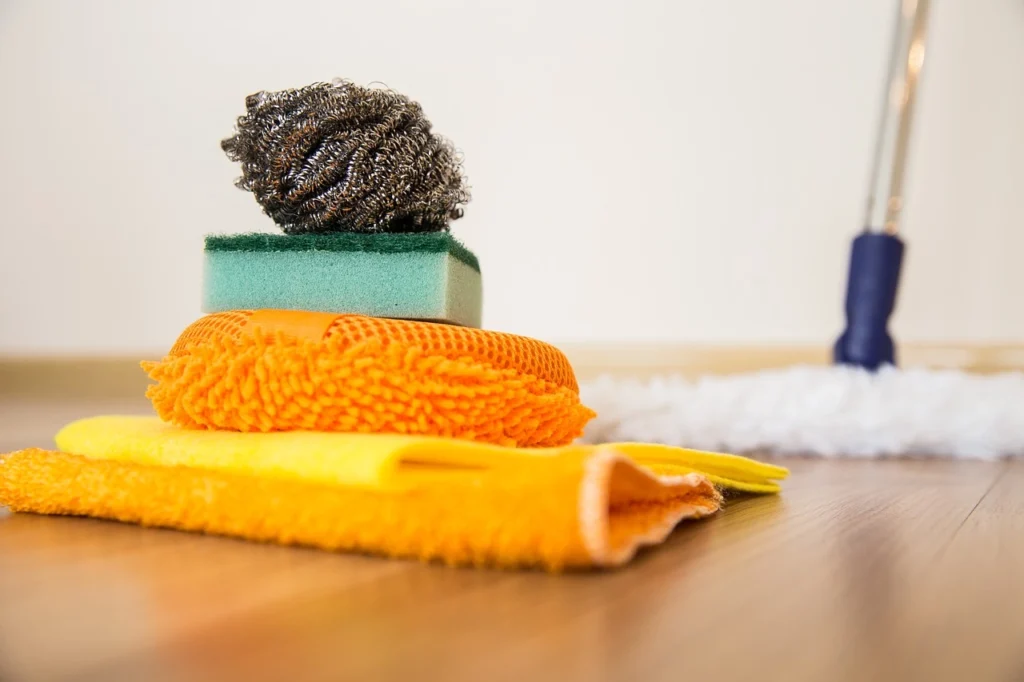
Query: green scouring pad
420	276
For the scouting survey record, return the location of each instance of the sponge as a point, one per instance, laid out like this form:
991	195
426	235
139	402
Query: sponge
418	276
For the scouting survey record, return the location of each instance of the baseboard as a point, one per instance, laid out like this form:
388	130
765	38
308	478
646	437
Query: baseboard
691	361
122	378
72	378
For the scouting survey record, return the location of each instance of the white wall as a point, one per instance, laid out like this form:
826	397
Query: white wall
687	170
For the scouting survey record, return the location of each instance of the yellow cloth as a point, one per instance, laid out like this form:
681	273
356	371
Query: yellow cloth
374	461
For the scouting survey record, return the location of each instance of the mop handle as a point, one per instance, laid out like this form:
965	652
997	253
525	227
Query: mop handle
877	255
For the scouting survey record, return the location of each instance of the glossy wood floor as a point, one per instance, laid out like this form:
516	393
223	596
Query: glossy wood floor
873	570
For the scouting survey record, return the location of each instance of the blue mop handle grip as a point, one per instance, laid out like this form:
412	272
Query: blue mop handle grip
870	298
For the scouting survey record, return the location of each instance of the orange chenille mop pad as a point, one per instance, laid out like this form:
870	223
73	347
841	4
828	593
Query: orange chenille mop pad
278	370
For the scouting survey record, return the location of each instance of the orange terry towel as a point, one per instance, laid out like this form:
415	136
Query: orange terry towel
586	507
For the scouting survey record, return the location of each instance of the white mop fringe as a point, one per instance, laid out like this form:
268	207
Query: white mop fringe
826	411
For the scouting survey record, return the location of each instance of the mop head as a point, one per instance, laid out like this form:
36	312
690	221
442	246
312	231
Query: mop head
827	411
459	502
279	370
425	276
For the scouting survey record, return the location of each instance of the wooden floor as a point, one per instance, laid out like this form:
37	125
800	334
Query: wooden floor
860	570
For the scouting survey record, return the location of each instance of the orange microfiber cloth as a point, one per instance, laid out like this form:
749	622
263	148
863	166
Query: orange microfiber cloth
584	508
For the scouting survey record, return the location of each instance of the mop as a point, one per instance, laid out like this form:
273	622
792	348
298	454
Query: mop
862	405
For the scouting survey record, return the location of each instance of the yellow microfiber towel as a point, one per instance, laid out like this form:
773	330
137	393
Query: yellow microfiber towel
377	461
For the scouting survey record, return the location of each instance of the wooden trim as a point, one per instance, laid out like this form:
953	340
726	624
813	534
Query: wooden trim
691	361
72	378
122	378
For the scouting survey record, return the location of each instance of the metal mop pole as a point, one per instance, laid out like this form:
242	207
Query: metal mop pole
877	253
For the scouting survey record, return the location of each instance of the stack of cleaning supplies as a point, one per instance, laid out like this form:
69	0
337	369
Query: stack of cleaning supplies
340	392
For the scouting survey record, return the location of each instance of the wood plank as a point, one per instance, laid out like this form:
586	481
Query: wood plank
968	617
79	595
